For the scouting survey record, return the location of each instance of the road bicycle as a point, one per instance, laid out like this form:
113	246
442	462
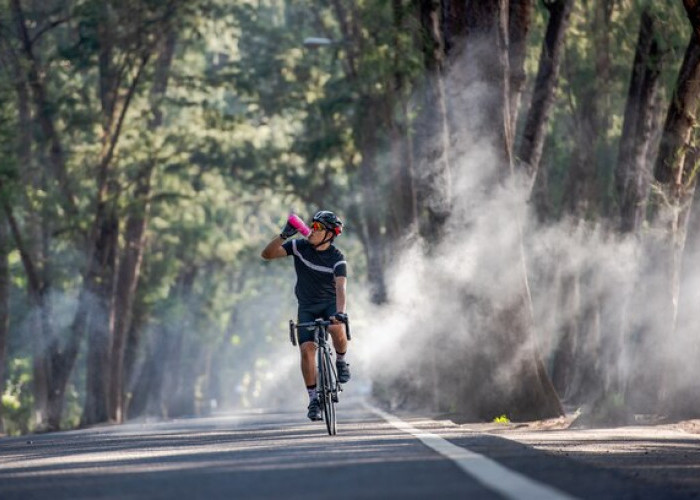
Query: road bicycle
327	379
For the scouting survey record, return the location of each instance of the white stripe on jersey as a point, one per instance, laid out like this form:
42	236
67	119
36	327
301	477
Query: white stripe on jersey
309	264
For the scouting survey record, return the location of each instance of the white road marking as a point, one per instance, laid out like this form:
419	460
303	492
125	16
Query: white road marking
489	473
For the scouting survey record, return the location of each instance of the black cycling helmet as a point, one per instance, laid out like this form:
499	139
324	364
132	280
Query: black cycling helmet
330	221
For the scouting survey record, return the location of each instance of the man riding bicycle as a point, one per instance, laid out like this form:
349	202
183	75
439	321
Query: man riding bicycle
321	272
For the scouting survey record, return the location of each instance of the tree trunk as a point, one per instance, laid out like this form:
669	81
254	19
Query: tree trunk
132	362
366	140
402	205
675	171
99	284
485	46
684	400
36	255
30	87
519	21
675	175
51	366
567	307
511	328
586	381
134	237
149	377
582	201
181	356
100	275
601	31
163	383
632	181
43	343
374	247
534	133
454	23
680	119
632	178
61	361
127	279
432	133
103	241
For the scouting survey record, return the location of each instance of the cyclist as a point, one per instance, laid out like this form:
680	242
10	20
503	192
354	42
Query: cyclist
321	272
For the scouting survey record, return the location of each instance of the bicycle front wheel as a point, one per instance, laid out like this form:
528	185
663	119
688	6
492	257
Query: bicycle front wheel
327	387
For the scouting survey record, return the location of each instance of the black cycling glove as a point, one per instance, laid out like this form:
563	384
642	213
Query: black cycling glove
288	231
342	317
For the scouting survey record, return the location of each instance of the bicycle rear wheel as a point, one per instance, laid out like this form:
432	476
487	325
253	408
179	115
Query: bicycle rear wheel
327	388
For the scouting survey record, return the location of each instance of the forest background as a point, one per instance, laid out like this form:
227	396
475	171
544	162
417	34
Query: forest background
516	177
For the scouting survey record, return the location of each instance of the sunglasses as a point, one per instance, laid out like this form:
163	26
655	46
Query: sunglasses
317	226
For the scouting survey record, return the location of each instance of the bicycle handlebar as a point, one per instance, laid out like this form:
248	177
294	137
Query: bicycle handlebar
319	322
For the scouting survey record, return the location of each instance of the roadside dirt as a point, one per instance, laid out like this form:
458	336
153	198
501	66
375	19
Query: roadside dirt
665	454
561	423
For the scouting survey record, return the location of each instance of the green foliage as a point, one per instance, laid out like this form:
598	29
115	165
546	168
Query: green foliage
17	398
502	419
72	407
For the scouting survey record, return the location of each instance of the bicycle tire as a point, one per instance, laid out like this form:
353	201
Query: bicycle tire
328	404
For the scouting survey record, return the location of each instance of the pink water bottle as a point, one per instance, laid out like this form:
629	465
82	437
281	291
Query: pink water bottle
299	225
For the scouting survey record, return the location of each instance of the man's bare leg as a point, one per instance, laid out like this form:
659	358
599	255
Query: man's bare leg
308	371
308	363
340	340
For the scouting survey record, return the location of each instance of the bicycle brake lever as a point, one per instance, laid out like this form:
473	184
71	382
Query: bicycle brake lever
292	335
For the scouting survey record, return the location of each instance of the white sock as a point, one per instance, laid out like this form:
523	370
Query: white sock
340	357
313	394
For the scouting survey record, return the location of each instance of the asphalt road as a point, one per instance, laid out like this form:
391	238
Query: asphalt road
276	454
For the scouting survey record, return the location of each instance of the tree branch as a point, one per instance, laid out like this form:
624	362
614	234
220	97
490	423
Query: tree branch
41	103
48	28
27	262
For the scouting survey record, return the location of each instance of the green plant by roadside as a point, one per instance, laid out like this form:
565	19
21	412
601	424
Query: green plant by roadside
502	419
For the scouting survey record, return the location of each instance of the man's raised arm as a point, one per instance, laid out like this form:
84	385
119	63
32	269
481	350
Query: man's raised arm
274	249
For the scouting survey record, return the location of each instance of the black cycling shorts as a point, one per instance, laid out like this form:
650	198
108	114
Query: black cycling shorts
310	313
